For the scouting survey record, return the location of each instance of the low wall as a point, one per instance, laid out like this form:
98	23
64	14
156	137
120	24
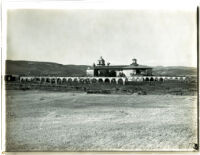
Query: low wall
111	80
131	87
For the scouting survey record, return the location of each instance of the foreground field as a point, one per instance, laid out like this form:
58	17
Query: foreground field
60	121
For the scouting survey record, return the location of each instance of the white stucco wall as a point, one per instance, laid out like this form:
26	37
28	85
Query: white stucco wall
117	73
129	73
90	72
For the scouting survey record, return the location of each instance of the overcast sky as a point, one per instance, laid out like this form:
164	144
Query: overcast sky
156	37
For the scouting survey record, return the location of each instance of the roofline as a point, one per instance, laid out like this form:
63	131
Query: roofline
124	67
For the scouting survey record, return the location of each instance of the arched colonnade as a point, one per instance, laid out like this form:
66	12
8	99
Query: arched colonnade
62	80
116	80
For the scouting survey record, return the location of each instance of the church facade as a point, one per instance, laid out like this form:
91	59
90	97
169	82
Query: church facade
106	70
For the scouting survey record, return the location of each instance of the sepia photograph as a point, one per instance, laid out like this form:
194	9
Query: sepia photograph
82	79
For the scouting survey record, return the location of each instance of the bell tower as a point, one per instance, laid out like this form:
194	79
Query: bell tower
101	62
134	62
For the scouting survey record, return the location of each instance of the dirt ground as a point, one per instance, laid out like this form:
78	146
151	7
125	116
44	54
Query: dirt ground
60	121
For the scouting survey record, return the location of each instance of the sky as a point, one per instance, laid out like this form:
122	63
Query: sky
81	36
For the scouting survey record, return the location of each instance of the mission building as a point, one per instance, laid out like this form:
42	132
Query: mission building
106	70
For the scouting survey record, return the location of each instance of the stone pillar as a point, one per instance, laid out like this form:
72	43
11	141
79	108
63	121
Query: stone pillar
116	81
44	80
56	81
123	81
78	80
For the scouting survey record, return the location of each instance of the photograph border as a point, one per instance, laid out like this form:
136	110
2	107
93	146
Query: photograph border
3	91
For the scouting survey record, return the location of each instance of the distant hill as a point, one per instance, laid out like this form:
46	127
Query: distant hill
175	71
44	68
34	68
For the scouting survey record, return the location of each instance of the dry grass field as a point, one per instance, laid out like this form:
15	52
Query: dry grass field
60	121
